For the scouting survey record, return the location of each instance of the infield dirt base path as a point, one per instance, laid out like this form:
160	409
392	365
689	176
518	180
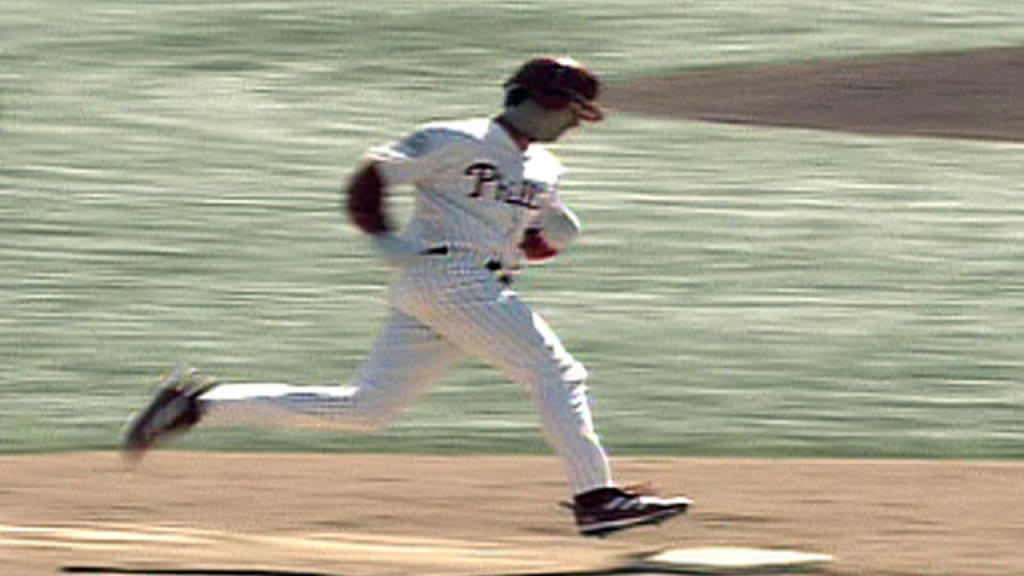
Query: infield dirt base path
352	515
973	94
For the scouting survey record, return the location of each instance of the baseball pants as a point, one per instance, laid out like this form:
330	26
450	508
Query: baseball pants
443	309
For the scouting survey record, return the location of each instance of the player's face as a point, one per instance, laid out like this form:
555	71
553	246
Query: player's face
558	123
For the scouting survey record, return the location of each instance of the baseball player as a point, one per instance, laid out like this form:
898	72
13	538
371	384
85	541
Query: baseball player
486	202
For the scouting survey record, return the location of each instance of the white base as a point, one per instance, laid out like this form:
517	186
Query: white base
730	560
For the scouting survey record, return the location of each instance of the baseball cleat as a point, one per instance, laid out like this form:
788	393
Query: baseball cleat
173	411
605	510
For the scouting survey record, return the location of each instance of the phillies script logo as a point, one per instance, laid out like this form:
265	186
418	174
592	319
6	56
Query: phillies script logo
486	175
488	184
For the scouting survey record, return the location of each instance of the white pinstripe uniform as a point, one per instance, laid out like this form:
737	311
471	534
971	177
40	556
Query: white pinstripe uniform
477	193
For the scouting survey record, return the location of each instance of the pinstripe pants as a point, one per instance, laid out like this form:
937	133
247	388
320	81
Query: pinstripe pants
444	309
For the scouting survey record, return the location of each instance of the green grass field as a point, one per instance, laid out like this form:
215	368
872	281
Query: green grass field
169	177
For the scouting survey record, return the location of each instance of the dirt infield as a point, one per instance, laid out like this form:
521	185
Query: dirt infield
352	515
973	94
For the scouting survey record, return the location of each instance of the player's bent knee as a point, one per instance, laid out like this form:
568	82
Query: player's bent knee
372	412
375	419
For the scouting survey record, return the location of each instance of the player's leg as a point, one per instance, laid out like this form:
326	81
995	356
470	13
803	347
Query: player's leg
529	351
405	358
477	314
493	324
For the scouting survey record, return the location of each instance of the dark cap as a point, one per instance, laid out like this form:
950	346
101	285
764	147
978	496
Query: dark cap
558	83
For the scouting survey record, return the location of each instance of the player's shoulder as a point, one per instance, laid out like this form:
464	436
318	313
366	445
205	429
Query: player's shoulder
473	130
434	138
541	161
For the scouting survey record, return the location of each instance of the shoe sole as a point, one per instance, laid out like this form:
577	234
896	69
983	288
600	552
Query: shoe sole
605	528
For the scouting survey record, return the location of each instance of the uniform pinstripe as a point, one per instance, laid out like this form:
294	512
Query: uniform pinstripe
486	202
477	193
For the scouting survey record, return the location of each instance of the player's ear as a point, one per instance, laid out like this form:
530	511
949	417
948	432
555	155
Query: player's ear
516	96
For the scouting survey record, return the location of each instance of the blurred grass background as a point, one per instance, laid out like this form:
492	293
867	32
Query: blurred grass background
169	177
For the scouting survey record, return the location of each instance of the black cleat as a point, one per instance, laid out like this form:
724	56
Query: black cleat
606	510
174	410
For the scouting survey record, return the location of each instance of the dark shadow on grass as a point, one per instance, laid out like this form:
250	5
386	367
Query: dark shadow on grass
624	571
108	570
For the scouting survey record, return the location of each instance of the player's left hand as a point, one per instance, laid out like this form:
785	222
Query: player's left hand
558	228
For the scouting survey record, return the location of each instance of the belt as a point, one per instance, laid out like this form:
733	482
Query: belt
491	264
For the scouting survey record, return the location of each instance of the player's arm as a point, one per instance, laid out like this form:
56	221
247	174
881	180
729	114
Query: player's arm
365	203
405	162
551	234
365	197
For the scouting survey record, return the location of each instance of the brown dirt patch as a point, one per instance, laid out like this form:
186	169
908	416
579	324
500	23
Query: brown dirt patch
975	94
358	515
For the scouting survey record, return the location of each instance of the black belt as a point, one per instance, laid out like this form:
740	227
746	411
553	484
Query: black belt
499	272
491	264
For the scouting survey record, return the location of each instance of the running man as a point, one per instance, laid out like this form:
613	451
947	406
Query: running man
486	202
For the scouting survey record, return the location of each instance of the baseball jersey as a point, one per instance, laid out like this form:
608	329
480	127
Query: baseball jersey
476	190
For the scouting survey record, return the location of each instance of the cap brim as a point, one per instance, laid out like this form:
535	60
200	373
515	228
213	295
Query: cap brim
587	111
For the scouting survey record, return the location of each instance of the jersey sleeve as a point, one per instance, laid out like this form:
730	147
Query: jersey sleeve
543	172
410	159
551	206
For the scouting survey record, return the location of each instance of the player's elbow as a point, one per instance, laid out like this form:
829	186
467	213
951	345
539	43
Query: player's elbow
364	201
